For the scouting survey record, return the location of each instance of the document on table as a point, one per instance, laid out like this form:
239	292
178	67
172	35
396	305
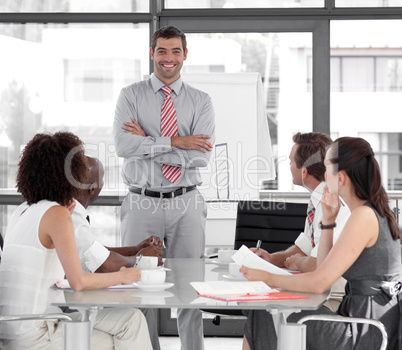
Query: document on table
246	257
226	287
63	284
240	291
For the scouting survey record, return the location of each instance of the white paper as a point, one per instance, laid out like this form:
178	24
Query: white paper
63	284
231	288
246	257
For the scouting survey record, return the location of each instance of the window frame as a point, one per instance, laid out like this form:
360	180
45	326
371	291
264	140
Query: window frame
313	20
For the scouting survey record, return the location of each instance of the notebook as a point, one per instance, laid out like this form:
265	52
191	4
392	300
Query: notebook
241	291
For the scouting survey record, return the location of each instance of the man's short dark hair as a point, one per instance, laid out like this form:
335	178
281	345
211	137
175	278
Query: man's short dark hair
310	152
169	32
52	167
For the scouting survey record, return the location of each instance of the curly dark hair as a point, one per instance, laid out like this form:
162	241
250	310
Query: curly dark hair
52	167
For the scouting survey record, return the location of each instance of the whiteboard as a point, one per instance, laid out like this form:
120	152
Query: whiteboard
242	136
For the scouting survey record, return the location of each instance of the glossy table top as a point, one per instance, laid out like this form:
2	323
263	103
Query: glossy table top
181	294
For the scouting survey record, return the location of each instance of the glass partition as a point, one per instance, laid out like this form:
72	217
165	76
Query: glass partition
366	89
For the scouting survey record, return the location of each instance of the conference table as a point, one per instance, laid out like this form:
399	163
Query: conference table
180	295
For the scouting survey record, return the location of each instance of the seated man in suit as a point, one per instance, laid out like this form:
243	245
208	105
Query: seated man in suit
94	256
307	168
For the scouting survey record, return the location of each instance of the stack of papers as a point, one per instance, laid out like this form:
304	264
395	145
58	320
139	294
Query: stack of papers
240	291
246	257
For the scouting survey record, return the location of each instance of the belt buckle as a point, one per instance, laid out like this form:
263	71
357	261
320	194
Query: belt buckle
166	195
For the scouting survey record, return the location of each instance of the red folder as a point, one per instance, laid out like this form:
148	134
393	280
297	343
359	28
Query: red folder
252	297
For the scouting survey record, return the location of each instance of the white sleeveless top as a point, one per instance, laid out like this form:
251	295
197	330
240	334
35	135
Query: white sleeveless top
27	270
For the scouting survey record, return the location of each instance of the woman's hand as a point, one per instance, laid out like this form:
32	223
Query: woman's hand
330	206
262	254
130	275
255	275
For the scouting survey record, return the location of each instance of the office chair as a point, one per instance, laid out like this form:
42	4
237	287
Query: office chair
1	245
337	318
70	328
276	224
56	316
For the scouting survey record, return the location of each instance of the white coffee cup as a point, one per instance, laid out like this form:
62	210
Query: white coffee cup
153	276
234	270
148	262
225	255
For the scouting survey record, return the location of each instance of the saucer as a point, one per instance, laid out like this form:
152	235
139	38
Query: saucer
163	268
220	263
233	278
153	287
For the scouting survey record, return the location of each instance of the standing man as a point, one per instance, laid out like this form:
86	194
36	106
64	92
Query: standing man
165	129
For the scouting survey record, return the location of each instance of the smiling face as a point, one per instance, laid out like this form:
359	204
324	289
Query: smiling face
168	58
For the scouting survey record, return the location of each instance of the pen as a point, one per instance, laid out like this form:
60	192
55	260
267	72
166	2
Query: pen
137	260
259	244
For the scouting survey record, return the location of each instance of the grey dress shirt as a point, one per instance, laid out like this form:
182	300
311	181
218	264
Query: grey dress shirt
144	156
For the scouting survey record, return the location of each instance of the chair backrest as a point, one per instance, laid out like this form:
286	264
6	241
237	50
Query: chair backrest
1	245
276	224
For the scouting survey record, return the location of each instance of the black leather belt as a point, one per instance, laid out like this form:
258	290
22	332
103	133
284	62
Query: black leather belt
171	194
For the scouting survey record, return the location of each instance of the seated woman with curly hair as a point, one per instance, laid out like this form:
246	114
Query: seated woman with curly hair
39	249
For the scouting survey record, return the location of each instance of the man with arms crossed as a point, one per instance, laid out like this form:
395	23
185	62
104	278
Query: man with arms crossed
307	168
164	129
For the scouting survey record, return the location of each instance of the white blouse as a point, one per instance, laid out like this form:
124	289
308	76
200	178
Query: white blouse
27	270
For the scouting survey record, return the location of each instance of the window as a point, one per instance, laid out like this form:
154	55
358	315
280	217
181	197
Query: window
66	77
389	73
366	73
243	3
366	89
368	3
283	61
98	79
75	6
357	74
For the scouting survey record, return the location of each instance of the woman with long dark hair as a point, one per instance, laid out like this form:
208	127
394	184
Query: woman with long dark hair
367	254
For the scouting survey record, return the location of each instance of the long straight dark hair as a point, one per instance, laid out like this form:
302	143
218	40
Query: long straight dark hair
355	156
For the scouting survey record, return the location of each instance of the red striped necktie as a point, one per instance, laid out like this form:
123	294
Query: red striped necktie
310	218
169	129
